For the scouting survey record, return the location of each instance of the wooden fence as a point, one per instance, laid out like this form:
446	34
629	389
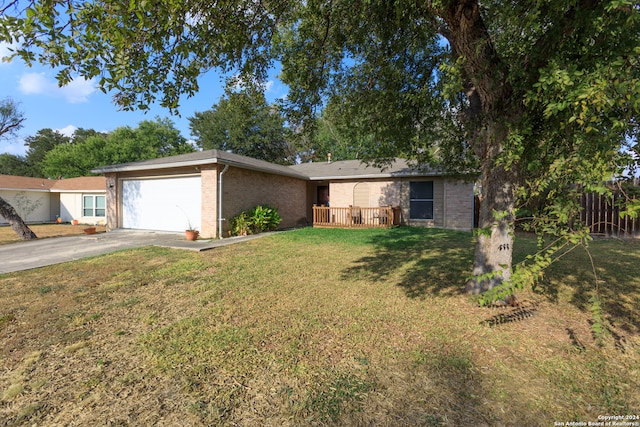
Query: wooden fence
355	217
602	215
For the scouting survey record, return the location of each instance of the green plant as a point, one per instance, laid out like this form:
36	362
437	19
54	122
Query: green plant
45	289
240	225
260	218
264	218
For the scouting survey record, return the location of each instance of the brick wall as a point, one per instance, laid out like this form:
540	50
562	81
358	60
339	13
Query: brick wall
452	203
382	192
458	205
243	189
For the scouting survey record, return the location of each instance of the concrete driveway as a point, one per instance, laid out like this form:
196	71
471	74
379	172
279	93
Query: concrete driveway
42	252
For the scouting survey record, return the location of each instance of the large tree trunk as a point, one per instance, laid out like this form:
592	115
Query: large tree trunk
494	247
490	109
17	224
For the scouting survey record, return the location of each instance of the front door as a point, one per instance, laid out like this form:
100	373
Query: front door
323	195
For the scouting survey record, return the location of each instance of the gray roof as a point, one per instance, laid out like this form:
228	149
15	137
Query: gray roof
353	169
200	158
345	169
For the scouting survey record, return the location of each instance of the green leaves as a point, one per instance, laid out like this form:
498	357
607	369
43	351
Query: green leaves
630	208
244	123
259	219
264	218
598	326
150	140
143	51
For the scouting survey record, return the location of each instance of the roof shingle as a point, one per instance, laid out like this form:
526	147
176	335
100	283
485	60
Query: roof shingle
11	182
347	169
315	171
84	183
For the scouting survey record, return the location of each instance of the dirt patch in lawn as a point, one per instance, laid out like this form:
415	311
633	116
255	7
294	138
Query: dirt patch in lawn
7	235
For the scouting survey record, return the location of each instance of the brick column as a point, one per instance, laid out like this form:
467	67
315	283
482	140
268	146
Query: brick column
112	202
209	219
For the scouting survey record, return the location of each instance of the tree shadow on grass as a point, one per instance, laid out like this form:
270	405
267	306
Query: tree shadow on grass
617	269
421	260
446	379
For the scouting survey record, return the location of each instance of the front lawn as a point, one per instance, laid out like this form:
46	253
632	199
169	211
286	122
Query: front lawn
316	327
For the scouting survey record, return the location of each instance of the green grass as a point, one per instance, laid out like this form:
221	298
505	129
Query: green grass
317	327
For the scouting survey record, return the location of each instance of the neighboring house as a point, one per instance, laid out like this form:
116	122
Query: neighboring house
40	200
206	189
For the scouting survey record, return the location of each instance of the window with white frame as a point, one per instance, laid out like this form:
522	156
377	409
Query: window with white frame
93	206
421	200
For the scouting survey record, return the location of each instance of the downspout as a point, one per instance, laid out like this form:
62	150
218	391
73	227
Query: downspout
220	218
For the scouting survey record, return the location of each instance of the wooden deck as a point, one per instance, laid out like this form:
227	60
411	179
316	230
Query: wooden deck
355	217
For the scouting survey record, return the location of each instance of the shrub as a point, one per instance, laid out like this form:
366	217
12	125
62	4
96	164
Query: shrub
260	218
264	218
240	225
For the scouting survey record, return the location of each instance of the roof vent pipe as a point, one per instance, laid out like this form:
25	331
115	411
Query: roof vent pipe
328	157
220	218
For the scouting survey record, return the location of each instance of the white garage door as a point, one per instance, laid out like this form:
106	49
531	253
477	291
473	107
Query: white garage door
166	204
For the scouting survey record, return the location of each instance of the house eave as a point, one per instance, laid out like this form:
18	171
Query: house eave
370	176
38	190
241	165
195	163
79	191
137	168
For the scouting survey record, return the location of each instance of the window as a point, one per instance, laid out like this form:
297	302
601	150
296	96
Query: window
421	200
93	206
361	195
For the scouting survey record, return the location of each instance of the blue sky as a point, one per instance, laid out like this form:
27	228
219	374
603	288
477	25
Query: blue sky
81	105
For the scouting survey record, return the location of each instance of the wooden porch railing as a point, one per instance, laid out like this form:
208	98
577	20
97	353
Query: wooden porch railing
355	217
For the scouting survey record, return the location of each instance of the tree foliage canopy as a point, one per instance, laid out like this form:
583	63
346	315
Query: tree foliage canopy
333	134
244	123
150	140
11	118
38	146
10	164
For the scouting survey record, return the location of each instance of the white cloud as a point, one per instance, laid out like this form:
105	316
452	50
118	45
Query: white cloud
76	92
67	130
239	84
33	83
